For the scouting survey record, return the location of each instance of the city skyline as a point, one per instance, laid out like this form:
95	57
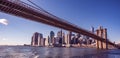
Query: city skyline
82	13
61	40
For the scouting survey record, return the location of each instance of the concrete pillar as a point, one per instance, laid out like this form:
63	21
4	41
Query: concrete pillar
101	35
97	42
105	45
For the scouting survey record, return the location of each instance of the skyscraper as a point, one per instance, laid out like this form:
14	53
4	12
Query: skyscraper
46	42
43	42
36	39
63	38
59	35
51	40
69	36
68	39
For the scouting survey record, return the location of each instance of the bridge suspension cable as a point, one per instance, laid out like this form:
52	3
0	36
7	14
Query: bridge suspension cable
50	13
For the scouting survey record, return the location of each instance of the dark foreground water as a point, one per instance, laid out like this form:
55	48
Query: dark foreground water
56	52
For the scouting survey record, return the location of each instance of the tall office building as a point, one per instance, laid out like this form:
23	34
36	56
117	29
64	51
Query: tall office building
51	40
77	35
36	39
59	36
43	41
46	41
55	41
63	38
68	39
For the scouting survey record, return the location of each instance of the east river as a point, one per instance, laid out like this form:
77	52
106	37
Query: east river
55	52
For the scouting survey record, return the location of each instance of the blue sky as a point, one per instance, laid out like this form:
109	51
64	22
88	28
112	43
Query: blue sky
84	13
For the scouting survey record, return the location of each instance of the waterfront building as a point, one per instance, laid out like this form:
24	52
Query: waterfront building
68	39
77	35
56	40
52	34
41	39
49	41
46	41
63	38
69	36
36	39
80	41
73	40
42	42
59	36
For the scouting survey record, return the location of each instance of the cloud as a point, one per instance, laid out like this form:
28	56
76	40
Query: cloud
4	39
4	21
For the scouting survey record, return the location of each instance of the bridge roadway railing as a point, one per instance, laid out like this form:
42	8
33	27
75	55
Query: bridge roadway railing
25	10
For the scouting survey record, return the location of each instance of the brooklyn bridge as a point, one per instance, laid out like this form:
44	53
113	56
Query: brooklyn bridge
29	12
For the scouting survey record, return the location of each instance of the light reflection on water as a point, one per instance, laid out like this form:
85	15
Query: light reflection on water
57	52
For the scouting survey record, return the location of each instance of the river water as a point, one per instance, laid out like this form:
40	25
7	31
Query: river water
56	52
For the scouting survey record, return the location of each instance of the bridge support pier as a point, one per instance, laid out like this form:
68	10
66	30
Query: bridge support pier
102	33
97	44
105	45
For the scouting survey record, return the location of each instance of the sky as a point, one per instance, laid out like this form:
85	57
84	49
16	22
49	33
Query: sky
83	13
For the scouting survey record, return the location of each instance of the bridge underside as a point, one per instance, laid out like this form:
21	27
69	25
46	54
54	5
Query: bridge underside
26	11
